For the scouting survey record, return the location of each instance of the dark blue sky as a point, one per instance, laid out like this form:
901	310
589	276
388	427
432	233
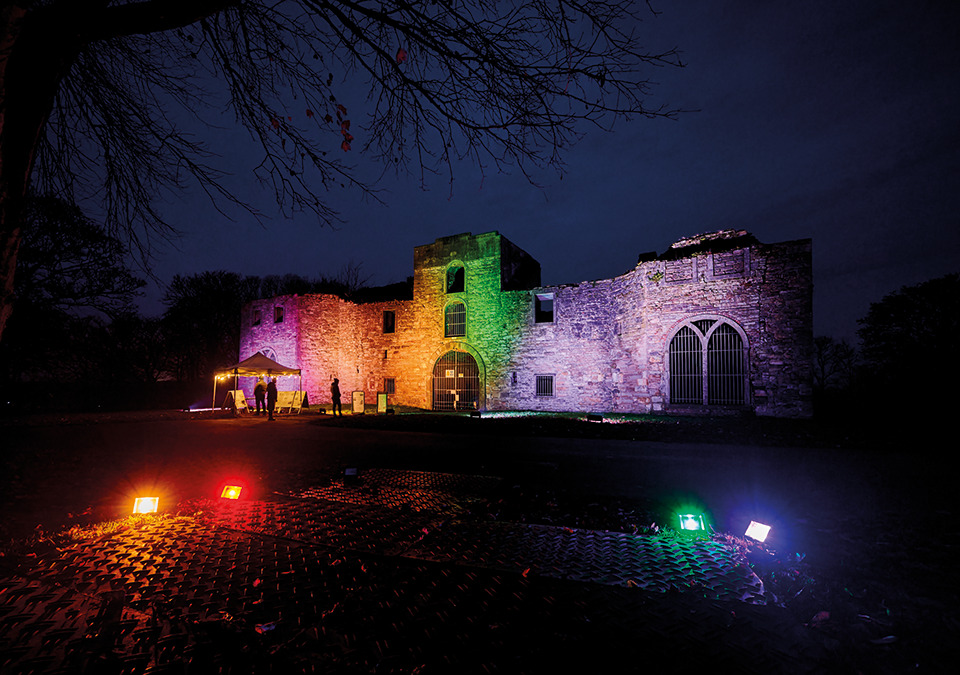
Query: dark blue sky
836	121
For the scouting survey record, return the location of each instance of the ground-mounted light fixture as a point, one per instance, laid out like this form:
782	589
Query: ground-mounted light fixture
231	492
146	504
691	522
757	531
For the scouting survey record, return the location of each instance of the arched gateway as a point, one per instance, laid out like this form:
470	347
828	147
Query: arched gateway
456	382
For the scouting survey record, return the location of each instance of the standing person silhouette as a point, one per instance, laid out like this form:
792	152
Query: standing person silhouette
260	393
271	398
335	395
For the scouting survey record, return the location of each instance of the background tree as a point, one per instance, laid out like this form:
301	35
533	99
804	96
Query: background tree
834	363
72	275
202	321
137	349
909	346
71	264
93	94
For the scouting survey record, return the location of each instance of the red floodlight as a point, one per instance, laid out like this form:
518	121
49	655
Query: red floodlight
231	492
234	488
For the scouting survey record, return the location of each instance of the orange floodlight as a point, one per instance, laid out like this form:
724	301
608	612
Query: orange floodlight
146	504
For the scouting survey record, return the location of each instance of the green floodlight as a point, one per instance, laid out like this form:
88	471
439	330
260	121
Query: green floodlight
691	522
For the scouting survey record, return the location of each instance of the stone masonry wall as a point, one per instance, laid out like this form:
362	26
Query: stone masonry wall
259	332
606	347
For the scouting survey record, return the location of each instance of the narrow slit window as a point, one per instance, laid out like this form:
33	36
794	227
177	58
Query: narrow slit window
278	314
389	321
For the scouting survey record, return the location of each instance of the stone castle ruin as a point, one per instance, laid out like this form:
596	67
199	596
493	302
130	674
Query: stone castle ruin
718	323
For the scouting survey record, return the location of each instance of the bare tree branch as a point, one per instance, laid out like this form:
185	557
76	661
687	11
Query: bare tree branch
507	84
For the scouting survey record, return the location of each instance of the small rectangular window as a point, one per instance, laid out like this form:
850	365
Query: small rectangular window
544	385
543	308
389	321
389	385
256	318
455	280
278	314
455	320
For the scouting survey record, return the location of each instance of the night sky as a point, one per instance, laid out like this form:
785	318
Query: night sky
836	121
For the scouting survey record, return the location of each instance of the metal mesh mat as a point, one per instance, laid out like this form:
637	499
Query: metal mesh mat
655	564
312	585
177	595
355	527
415	490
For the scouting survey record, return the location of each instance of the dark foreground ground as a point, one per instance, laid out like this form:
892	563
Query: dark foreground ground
535	544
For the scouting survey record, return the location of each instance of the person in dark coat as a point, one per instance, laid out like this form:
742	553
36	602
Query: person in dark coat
335	395
260	393
271	398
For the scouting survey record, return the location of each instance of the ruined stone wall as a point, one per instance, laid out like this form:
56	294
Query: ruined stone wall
784	386
573	349
660	296
764	291
481	296
606	348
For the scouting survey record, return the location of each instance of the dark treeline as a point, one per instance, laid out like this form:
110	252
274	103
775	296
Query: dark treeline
77	342
900	376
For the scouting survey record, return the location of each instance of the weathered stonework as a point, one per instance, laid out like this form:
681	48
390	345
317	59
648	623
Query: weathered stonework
598	346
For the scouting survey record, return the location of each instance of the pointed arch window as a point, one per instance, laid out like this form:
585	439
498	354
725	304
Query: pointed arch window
707	361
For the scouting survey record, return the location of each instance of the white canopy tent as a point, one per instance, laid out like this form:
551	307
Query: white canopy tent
255	366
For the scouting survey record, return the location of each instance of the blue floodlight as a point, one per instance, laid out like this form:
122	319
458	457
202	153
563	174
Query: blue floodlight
757	531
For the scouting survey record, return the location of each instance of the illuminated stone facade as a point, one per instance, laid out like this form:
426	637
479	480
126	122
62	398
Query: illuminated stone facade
718	323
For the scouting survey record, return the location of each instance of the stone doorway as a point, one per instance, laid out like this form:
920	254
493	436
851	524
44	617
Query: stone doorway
456	382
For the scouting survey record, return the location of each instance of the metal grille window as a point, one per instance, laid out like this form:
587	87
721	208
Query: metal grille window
389	385
544	385
456	382
686	367
455	280
707	361
455	320
725	371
